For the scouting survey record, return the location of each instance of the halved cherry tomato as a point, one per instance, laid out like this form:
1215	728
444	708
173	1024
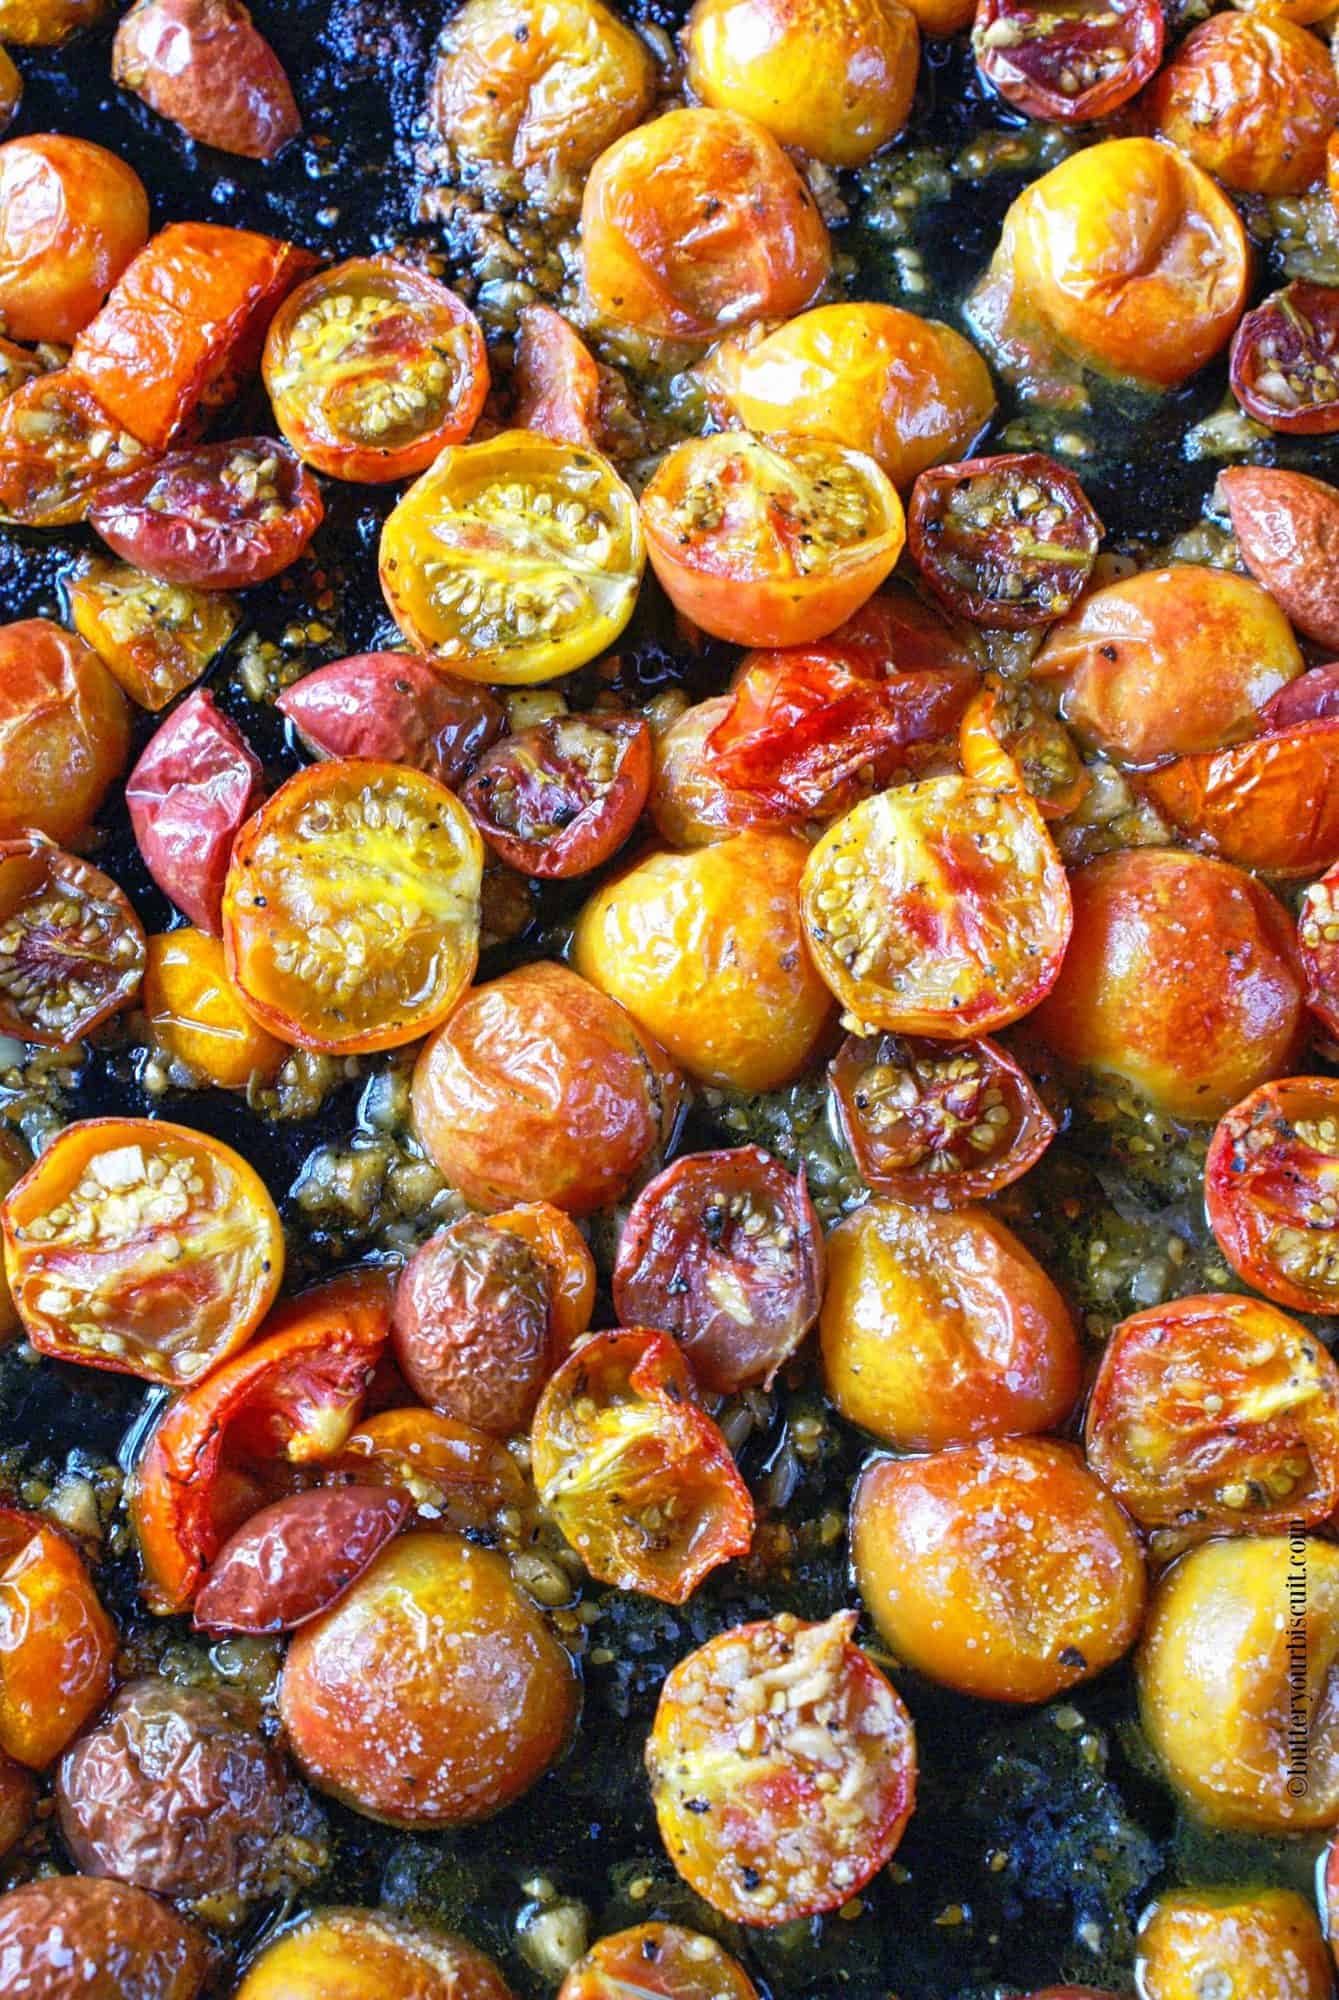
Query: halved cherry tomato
205	65
184	326
513	560
724	1251
637	1476
64	731
690	803
1265	1942
197	1015
555	380
219	516
1312	697
241	1438
770	541
750	1733
1216	1416
373	368
1287	528
1008	541
142	1247
1271	804
45	24
389	1958
1271	1187
396	708
455	1476
1010	718
72	215
558	799
1318	946
936	1124
71	947
471	1326
157	638
1285	360
57	1644
1252	100
58	449
1069	64
188	796
295	1558
657	1962
351	907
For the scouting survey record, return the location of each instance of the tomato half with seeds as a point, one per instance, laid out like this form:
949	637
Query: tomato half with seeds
296	1557
560	798
1072	63
142	1247
72	950
515	559
218	516
724	1251
58	449
64	731
770	541
637	1476
1008	541
157	638
1012	718
1266	1943
453	1475
1285	360
1271	804
1318	947
657	1962
397	709
57	1644
782	1768
373	368
351	907
205	65
1271	1187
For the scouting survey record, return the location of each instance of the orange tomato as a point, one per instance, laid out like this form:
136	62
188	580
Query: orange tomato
556	382
15	1159
1271	803
1305	13
64	731
690	804
1047	758
198	1016
568	1266
1266	1944
1271	1189
457	1477
1252	100
44	24
59	449
156	638
71	947
57	1644
657	1962
339	1954
72	215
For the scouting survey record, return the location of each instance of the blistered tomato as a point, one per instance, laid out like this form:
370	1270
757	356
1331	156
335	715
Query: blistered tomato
1267	1944
58	449
471	1326
296	1557
188	796
1007	541
690	803
396	708
72	215
71	947
1015	718
1272	1191
57	1644
199	1018
205	65
1271	803
64	731
157	638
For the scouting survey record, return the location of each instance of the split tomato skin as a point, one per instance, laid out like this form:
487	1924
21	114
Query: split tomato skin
72	950
1283	361
64	731
1271	1188
296	1558
1070	68
558	799
1269	1939
57	1644
215	516
1252	99
72	215
130	1946
359	1954
205	66
194	787
658	1961
1287	528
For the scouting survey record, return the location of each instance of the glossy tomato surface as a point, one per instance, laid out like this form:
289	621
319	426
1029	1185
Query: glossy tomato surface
454	1476
72	215
59	448
1190	1939
356	1954
562	797
296	1557
219	516
130	1946
395	708
194	786
1287	528
57	1644
205	65
1284	356
64	731
1271	803
1252	99
72	951
657	1962
690	803
1272	1191
199	1019
157	638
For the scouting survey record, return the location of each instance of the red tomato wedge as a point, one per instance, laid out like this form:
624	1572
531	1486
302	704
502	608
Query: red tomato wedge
1271	1187
1271	803
216	516
396	708
1070	63
72	950
205	65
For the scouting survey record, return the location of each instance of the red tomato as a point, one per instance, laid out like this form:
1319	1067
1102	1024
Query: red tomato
397	709
64	731
72	215
1285	360
1008	541
1271	804
1008	718
555	380
1318	947
751	1732
1252	99
296	1557
560	798
219	516
724	1251
1287	528
194	786
1312	697
454	1476
129	1945
657	1962
471	1326
57	1644
1070	66
72	950
1271	1187
637	1477
55	453
206	66
358	1954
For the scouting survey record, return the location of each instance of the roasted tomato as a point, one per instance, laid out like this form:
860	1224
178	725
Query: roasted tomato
698	223
44	24
15	1159
142	1247
907	391
1271	1184
1317	939
18	1804
724	1251
130	1947
657	1962
184	327
637	1477
1285	360
538	89
539	1088
705	950
1287	528
1239	1659
513	560
71	948
58	449
568	1267
11	90
1126	259
355	1954
1069	65
1009	717
157	638
198	1017
838	86
397	709
219	516
557	384
471	1326
933	1124
562	797
188	796
64	731
72	215
433	1693
1007	541
1312	697
1266	1944
1252	100
57	1644
690	803
1271	804
750	1733
205	65
1002	1569
454	1476
1169	662
351	908
938	1329
373	367
938	908
296	1558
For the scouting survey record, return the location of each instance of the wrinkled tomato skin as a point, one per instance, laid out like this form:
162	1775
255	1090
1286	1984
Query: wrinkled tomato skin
1252	100
706	952
359	1954
471	1326
724	1251
1001	1569
1266	1943
72	215
657	1962
57	1644
1035	68
54	454
130	1946
455	1477
396	709
938	1329
213	516
64	731
690	804
198	1017
568	1267
994	553
558	799
1291	337
72	950
1270	804
433	1693
45	24
696	224
540	1088
194	786
204	65
1317	939
1270	1186
1287	528
296	1558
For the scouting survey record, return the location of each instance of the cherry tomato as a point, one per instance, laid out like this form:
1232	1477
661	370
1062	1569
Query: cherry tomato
58	449
724	1251
1004	717
64	731
1285	360
513	560
1002	1569
1317	938
18	1804
1272	1191
433	1693
183	329
372	368
156	638
471	1326
15	1159
71	948
57	1644
560	798
690	803
1008	541
1070	65
1266	1943
219	516
1287	528
44	24
750	1732
188	796
356	1954
296	1558
569	1268
698	223
1312	697
198	1017
1303	12
556	380
397	709
454	1476
129	1945
206	66
539	1088
657	1962
1271	804
72	215
1252	100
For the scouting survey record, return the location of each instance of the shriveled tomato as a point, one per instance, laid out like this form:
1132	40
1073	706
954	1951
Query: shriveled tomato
1271	804
45	24
219	516
197	1016
64	731
396	708
513	560
72	949
1007	541
184	327
568	1267
1271	1187
57	1644
724	1251
205	65
558	799
157	638
556	380
471	1326
188	796
1287	528
1252	100
1070	64
373	367
455	1476
72	215
1266	1943
1312	697
58	449
129	1945
1318	946
657	1962
296	1557
361	1954
698	223
750	1732
1009	718
1285	360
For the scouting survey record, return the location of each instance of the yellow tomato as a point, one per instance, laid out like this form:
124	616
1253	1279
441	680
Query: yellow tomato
156	638
198	1015
1264	1946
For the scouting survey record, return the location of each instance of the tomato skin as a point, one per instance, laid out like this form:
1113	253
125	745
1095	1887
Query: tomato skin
690	804
64	731
696	224
1317	937
217	516
1037	68
1252	100
1271	803
396	709
18	1804
155	639
568	1267
1269	1939
970	527
198	1016
1009	719
195	784
560	798
555	380
15	1159
358	1954
45	24
1282	364
54	458
71	948
204	65
471	1326
657	1962
1269	1189
131	1947
1287	527
455	1476
72	215
1312	697
296	1558
57	1644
